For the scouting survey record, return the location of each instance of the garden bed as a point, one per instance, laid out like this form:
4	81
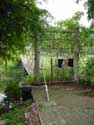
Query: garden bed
21	114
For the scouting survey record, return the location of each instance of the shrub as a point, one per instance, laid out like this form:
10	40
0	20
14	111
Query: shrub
89	70
87	74
14	116
28	78
12	91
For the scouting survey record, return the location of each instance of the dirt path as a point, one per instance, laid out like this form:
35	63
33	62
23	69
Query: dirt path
66	107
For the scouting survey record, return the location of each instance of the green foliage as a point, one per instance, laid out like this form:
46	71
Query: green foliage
19	19
86	36
27	103
87	71
15	115
90	9
11	72
1	105
41	106
12	91
70	23
87	40
28	78
89	5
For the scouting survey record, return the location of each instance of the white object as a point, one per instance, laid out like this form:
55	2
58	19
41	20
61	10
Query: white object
2	96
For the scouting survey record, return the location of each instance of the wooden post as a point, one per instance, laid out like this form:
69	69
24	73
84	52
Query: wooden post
51	69
36	60
76	55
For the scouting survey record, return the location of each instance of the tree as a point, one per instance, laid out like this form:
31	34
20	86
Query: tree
90	8
90	5
17	19
71	23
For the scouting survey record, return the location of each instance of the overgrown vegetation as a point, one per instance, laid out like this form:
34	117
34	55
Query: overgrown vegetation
15	115
87	71
22	23
11	74
12	90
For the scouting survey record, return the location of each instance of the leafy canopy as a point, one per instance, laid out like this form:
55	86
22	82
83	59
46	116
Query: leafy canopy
89	4
17	19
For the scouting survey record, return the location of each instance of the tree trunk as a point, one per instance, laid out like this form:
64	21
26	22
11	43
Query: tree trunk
51	69
76	56
36	60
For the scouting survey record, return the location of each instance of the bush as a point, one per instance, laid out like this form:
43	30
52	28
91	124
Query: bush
87	74
28	78
15	115
12	91
89	70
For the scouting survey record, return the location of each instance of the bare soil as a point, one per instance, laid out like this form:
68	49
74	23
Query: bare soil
69	106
